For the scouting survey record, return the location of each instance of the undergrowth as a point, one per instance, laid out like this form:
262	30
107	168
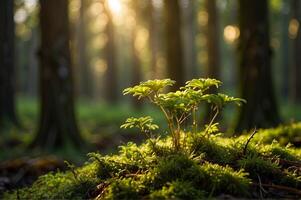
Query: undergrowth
192	162
154	170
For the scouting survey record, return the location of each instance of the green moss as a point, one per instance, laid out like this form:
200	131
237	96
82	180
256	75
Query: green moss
207	167
284	134
178	190
123	189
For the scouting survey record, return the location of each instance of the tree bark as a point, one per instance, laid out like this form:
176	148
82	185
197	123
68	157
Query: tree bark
212	34
295	84
174	49
212	40
255	68
57	126
189	36
110	53
86	81
285	50
7	72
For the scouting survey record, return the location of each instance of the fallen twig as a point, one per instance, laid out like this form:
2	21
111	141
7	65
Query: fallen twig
248	141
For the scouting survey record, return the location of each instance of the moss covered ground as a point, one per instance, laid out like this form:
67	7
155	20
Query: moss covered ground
208	166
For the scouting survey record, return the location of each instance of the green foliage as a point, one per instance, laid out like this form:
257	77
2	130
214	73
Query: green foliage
185	165
211	166
148	88
202	84
178	106
145	124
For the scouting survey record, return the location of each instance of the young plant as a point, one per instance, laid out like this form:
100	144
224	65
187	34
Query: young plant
178	106
145	124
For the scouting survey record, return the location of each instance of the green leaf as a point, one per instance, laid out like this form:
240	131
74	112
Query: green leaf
202	84
143	123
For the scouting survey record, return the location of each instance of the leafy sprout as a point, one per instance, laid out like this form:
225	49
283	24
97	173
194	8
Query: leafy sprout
178	106
202	84
146	89
145	124
220	100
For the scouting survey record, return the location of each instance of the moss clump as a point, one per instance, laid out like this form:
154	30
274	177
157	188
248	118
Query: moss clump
207	167
284	134
123	189
178	190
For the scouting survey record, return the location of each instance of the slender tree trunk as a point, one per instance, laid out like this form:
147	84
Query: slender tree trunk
212	34
86	81
174	52
153	39
136	69
189	33
110	52
295	83
212	39
285	50
32	74
7	73
255	67
57	127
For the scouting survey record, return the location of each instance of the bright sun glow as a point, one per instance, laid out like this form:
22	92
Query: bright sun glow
231	33
115	6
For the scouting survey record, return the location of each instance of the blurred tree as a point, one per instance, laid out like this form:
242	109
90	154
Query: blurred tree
295	84
57	127
7	74
255	67
285	49
136	65
86	80
212	34
110	52
173	35
213	51
153	38
189	39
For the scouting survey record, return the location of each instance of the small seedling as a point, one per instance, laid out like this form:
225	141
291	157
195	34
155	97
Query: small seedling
178	106
145	124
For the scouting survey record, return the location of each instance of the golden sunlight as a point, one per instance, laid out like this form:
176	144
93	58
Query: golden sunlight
293	28
231	33
115	6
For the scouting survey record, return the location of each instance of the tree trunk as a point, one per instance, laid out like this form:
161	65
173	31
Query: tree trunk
7	74
57	126
174	52
189	36
110	52
153	39
295	84
86	81
212	34
285	50
212	40
136	68
255	67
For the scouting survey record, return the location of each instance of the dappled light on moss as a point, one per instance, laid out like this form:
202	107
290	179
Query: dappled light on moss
208	167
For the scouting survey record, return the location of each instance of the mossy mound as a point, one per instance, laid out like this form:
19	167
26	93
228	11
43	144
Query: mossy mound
284	134
205	167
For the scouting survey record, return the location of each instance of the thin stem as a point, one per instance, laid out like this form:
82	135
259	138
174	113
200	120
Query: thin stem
194	124
212	120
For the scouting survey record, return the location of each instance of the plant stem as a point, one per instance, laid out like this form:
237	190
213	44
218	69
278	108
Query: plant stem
212	120
194	121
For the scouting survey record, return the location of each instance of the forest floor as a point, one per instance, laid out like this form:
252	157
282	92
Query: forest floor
249	166
100	126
